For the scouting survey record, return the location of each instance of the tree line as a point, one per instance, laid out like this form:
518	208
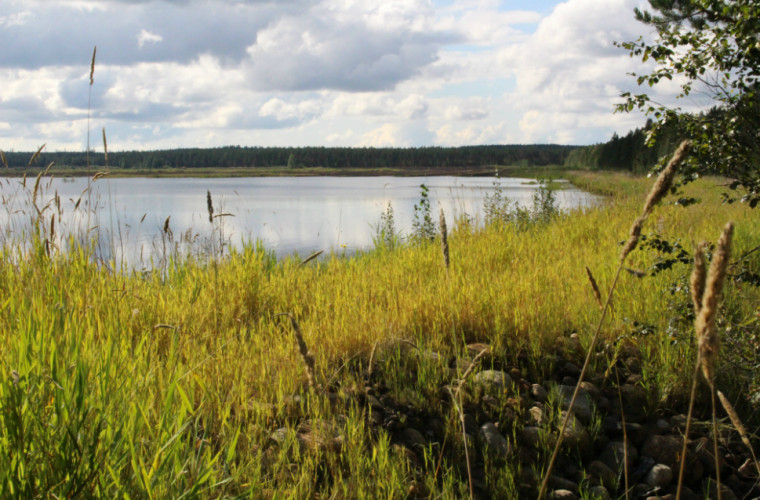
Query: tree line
301	157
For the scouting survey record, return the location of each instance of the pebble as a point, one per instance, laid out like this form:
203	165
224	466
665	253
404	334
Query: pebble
659	476
539	393
493	378
562	495
494	441
599	493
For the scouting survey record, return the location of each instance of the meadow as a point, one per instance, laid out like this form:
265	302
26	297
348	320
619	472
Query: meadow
244	376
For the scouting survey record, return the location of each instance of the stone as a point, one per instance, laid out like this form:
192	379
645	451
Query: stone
562	495
539	393
659	476
280	435
493	379
592	389
615	452
537	415
560	483
414	437
601	475
704	449
666	449
575	435
583	407
494	442
598	493
531	436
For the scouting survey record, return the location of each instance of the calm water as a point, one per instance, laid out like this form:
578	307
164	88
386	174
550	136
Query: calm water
289	214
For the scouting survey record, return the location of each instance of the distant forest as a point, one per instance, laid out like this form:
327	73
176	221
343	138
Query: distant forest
236	156
629	152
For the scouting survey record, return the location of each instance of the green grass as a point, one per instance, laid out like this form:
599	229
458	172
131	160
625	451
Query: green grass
169	385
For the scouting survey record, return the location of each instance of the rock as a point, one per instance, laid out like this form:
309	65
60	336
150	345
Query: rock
320	434
659	476
583	407
475	349
662	426
560	483
667	450
493	379
531	436
539	393
601	475
567	380
614	454
575	435
748	469
515	374
678	421
407	453
374	403
414	438
635	399
280	435
494	442
704	449
599	493
562	495
571	369
592	389
537	415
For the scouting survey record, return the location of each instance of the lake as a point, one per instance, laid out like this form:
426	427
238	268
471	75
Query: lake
288	214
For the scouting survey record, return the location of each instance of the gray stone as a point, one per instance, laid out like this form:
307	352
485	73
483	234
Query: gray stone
495	379
602	475
592	389
614	454
659	476
575	435
583	407
667	450
493	440
539	393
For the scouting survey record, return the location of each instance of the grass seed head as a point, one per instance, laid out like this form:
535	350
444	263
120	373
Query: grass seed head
665	179
708	338
698	275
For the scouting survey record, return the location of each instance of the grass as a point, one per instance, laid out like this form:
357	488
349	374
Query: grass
171	384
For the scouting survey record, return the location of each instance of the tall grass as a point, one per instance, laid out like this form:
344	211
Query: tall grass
171	384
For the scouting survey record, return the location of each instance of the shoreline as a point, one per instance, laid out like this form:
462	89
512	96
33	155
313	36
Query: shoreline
484	171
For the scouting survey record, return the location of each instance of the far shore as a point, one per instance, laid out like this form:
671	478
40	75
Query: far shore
483	171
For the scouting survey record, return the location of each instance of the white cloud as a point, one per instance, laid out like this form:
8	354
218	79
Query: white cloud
146	37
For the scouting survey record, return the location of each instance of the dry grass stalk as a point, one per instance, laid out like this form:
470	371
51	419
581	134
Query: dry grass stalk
92	65
594	287
739	427
306	356
2	157
210	206
105	146
36	155
310	258
707	335
697	280
444	239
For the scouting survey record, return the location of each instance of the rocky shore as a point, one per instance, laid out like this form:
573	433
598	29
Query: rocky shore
616	438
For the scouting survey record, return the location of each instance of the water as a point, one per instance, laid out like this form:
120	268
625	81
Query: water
288	214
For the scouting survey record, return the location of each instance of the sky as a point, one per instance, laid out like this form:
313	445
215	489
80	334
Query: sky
379	73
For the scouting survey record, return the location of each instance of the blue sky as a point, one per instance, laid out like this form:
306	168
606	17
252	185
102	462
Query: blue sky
201	73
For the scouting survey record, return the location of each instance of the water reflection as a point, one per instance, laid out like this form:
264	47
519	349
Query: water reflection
289	214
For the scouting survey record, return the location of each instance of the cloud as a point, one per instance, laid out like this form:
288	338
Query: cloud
146	37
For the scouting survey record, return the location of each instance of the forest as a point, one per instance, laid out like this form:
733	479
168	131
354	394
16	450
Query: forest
300	157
